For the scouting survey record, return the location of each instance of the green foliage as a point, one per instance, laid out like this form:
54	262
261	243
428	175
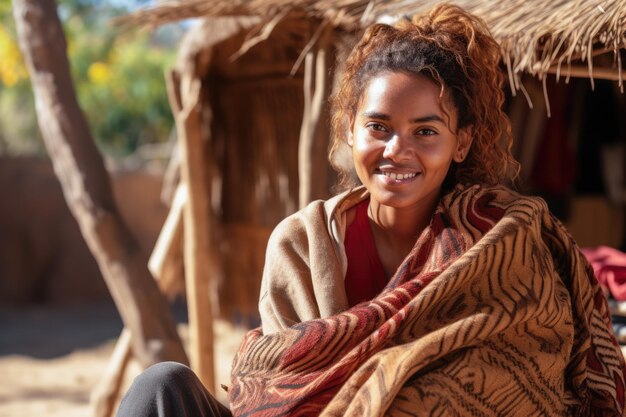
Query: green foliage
118	76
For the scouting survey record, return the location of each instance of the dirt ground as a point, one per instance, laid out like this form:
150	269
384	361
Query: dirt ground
51	359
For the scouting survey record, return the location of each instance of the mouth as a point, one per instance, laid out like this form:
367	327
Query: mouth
398	177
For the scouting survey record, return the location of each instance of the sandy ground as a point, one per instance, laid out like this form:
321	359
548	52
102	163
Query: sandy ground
51	359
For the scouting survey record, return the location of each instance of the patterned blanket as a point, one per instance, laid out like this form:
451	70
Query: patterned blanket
495	312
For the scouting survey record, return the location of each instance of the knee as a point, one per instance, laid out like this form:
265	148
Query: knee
146	393
165	374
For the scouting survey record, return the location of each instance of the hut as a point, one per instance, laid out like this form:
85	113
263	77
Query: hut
249	95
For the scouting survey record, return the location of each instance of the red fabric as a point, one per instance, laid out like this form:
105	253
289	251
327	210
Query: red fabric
609	266
554	170
365	278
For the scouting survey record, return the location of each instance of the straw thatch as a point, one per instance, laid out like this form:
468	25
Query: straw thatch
537	36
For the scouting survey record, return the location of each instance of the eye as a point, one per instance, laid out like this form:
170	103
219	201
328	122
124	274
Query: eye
425	132
375	126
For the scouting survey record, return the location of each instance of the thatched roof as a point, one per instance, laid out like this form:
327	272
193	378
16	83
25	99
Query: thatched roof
537	36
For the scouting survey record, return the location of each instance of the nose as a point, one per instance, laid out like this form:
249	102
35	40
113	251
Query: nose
396	148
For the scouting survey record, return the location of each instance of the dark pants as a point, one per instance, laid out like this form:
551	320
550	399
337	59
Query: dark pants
169	389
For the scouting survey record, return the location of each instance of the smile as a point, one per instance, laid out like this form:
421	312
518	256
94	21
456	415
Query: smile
395	176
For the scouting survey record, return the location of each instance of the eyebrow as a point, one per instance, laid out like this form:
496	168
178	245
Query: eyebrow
382	116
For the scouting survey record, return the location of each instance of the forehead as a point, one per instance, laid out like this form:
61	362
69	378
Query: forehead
391	86
405	95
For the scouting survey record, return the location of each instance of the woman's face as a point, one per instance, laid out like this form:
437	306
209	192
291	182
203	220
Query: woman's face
404	139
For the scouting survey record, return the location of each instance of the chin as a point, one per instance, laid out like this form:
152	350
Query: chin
404	199
394	200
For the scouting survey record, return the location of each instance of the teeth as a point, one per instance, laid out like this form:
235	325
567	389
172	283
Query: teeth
395	176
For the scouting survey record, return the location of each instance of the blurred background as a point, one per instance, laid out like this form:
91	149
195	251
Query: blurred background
119	79
58	323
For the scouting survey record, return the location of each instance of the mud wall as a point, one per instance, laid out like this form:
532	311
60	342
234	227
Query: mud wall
43	257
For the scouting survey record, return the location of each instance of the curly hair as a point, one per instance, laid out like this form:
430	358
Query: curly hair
455	50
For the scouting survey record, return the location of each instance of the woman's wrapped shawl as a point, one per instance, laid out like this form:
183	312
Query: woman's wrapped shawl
495	312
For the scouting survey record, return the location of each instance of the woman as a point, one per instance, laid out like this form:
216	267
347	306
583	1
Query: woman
430	288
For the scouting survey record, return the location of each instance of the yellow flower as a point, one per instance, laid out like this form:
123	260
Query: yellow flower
99	73
12	68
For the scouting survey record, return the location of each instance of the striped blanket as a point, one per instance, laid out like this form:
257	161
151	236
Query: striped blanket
495	312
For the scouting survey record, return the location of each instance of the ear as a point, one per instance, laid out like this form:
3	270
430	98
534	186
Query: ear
464	142
350	139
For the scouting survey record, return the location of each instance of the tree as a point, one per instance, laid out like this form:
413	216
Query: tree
87	188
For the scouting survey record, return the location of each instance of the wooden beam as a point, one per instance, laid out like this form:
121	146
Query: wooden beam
185	99
163	266
164	261
582	71
313	141
104	397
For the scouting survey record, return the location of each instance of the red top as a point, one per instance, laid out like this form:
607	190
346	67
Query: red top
365	277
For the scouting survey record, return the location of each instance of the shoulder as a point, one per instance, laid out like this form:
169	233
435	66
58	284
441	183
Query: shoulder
494	196
482	207
320	216
305	265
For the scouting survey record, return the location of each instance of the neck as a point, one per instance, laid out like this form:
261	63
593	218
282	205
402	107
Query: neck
400	227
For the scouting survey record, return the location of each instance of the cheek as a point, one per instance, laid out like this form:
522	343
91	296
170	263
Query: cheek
364	146
437	155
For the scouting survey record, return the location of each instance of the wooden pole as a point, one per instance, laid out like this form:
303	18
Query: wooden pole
87	188
164	266
164	261
185	100
104	397
582	71
313	142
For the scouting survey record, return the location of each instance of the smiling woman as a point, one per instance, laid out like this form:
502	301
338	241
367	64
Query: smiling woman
404	139
427	287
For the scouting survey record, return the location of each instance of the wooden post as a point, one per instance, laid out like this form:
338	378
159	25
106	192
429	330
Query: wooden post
313	142
104	397
164	261
580	71
164	266
185	99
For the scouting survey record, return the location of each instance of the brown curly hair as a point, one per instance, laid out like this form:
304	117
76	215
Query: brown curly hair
454	49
